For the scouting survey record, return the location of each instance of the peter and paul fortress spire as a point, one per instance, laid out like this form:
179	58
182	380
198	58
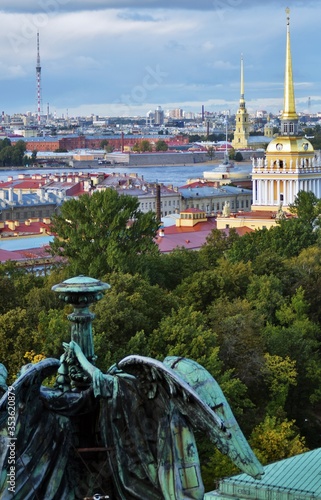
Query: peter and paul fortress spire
241	133
290	164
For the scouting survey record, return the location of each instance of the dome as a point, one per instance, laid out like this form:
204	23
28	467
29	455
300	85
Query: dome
286	144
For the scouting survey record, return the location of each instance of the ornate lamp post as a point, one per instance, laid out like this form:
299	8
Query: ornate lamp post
81	292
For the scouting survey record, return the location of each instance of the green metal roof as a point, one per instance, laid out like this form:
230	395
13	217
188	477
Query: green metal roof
295	478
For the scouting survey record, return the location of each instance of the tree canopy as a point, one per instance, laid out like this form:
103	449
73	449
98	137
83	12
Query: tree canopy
103	232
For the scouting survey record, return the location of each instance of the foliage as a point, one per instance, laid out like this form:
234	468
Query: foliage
238	329
131	305
145	146
287	239
185	333
12	155
217	243
248	309
307	207
170	269
15	336
161	145
274	439
238	156
103	232
281	373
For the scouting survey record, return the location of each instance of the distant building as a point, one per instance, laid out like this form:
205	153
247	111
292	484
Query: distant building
159	116
242	124
291	164
212	198
169	201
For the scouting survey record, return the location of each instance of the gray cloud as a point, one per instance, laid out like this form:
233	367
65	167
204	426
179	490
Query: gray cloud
55	6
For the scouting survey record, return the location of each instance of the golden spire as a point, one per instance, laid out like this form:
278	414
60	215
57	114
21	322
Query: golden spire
242	78
289	112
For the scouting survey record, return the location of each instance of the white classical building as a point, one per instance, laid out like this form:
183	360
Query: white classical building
291	164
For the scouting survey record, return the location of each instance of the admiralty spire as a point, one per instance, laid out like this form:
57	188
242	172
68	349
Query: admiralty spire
290	164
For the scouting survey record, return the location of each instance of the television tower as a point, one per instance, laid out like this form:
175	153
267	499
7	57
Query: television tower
38	75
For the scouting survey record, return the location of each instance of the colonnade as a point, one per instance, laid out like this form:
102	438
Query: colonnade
274	191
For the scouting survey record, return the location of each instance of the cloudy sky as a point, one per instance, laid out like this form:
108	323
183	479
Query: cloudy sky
126	57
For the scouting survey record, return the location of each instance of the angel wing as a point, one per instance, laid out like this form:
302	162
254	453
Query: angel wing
200	399
33	441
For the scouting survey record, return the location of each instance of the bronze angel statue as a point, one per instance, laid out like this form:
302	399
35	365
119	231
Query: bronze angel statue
125	434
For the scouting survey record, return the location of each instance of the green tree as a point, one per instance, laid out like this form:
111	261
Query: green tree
6	156
104	143
34	156
161	145
168	270
185	333
103	232
131	306
4	143
217	243
266	294
305	271
286	239
211	152
15	340
280	374
275	439
238	328
295	336
238	156
145	146
307	207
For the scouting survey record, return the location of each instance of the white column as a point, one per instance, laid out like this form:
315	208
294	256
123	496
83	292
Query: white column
266	192
291	191
255	192
272	192
286	189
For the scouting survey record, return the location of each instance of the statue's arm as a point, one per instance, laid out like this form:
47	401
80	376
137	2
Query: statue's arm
102	383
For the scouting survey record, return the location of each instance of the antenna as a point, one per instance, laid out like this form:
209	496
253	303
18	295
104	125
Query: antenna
38	76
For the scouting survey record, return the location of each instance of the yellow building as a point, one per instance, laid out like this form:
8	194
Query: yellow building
242	124
290	164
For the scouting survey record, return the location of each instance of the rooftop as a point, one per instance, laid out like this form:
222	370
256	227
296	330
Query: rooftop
295	478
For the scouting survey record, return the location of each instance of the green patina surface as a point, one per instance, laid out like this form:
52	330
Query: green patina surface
295	478
127	433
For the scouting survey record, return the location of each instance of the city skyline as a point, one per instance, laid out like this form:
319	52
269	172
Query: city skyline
110	59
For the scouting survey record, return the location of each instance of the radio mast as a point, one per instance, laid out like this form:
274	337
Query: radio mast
38	76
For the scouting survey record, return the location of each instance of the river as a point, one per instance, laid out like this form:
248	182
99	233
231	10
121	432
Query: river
175	175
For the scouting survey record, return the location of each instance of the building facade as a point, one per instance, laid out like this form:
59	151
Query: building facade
242	124
290	164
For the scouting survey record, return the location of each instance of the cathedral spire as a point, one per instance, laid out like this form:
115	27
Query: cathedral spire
289	112
242	101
